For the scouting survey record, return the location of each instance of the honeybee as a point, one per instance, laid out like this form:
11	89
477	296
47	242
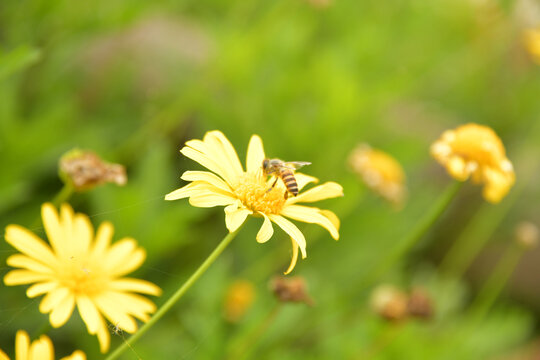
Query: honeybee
285	171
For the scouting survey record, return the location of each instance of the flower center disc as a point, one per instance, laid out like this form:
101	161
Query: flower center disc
81	279
254	193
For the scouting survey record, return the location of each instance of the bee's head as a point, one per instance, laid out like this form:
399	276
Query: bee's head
265	164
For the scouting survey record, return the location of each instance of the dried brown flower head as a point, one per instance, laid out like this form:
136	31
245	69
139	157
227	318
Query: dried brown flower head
85	170
293	289
420	304
389	302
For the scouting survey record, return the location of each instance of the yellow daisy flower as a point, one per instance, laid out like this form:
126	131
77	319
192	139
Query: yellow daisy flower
381	173
249	192
475	151
81	269
41	349
531	38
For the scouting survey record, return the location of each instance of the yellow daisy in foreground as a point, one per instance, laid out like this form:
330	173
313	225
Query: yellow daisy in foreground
475	151
531	38
41	349
381	173
81	269
249	192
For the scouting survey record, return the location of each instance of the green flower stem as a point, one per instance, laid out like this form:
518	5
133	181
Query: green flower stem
474	237
496	282
403	247
64	194
177	295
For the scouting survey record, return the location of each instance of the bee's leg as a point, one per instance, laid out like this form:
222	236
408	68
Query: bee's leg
273	185
286	195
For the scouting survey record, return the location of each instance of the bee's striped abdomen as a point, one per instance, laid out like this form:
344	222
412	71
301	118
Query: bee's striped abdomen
290	182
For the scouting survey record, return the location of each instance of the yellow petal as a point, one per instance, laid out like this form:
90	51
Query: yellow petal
456	167
67	223
310	215
234	217
23	261
3	355
41	288
135	285
53	299
303	179
292	230
497	185
321	192
53	228
103	337
133	304
207	177
29	244
61	313
22	277
41	349
225	150
266	231
120	251
115	313
83	233
255	154
332	217
294	257
103	239
203	154
129	263
22	345
77	355
210	199
89	313
184	192
123	257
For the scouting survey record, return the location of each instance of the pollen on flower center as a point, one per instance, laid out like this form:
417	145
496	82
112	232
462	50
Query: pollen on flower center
252	190
81	279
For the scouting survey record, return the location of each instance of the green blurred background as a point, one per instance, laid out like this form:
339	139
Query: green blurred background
133	80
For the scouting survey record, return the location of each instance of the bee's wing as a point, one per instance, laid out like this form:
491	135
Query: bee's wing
296	164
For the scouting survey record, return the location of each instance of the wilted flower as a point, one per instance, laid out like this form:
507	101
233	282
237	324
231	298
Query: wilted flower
419	304
531	38
85	170
475	151
290	289
381	172
250	192
81	269
389	302
40	349
527	234
238	300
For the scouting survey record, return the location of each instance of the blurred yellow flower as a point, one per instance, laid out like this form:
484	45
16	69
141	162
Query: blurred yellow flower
249	192
238	300
475	151
532	43
41	349
81	269
381	172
